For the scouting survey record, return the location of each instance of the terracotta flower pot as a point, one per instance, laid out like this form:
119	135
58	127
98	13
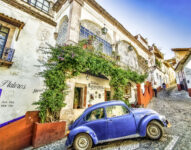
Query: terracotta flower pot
45	133
84	46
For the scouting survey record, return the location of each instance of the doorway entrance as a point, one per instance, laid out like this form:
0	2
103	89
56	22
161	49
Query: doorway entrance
78	96
107	95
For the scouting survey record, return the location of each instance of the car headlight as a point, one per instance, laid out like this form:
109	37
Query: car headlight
163	118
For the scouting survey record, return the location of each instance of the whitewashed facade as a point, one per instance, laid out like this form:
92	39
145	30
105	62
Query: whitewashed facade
20	86
33	26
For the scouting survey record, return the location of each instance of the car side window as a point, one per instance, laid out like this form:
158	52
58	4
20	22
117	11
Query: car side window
95	114
116	110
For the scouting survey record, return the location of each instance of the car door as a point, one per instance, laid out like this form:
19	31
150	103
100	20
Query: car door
120	121
97	121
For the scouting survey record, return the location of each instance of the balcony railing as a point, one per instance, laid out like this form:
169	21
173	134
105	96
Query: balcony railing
85	34
7	56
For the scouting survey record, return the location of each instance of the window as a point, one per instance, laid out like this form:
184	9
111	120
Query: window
116	110
4	32
6	54
85	34
108	96
78	98
43	5
95	114
61	39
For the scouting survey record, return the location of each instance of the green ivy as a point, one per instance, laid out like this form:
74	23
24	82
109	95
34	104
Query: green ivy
69	61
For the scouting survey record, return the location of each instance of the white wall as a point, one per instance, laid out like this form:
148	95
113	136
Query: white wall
92	15
187	71
20	85
83	79
157	79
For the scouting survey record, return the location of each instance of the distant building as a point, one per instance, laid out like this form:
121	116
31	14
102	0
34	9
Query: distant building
183	68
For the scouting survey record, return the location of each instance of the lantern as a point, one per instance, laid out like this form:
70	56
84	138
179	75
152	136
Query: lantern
130	48
104	30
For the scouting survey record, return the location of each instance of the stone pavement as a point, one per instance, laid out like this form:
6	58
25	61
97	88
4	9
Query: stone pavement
176	106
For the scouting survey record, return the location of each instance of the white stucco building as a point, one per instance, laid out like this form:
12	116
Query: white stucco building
183	69
26	27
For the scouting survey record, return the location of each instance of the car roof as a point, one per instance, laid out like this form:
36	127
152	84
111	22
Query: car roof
103	104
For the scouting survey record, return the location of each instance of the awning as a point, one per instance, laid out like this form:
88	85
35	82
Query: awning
13	22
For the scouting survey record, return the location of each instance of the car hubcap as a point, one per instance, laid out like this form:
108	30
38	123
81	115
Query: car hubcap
154	131
83	142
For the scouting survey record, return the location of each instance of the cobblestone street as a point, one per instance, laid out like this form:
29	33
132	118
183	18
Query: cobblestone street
176	106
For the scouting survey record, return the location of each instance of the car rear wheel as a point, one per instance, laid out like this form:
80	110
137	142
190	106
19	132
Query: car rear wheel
154	130
82	142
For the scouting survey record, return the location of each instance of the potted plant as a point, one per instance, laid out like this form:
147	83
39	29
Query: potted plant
83	43
51	101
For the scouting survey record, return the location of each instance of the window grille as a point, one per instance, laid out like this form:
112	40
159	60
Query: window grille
4	32
43	5
85	33
6	54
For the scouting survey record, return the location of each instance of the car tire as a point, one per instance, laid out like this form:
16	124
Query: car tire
154	130
82	142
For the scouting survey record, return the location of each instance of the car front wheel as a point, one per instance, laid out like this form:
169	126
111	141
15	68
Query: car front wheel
154	130
82	142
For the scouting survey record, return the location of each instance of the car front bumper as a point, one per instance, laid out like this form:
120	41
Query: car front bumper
167	124
68	143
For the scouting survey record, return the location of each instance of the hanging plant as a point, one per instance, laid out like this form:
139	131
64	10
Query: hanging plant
69	61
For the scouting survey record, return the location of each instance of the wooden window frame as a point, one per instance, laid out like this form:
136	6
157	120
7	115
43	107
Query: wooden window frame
84	95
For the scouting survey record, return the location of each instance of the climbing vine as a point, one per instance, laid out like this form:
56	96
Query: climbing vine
69	61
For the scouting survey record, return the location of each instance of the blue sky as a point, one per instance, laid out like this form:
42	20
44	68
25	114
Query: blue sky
167	23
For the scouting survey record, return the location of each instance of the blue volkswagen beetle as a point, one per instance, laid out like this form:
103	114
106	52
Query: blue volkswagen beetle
114	120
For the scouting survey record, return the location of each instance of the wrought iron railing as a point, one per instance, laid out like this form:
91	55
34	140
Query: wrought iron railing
85	34
8	54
